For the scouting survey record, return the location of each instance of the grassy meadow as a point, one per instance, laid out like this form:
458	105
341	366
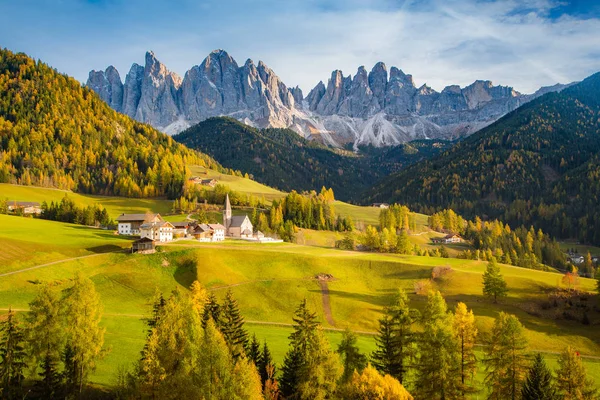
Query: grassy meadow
269	281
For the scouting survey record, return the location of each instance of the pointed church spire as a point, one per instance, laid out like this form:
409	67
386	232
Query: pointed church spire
227	214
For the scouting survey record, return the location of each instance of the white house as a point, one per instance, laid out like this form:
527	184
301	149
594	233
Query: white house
161	231
218	232
129	224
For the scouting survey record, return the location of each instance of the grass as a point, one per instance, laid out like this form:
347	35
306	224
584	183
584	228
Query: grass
114	205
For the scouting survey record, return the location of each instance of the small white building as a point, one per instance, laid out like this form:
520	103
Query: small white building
129	224
25	207
218	232
161	231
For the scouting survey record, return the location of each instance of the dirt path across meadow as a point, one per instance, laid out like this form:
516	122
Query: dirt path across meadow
326	304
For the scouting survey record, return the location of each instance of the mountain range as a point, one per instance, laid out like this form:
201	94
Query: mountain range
378	108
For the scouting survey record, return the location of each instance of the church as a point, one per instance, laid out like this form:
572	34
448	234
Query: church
236	226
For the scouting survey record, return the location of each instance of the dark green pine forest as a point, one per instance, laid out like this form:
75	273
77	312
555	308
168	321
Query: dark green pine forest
56	133
282	159
538	165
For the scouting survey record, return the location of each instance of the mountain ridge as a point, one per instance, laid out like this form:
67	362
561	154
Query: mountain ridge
373	108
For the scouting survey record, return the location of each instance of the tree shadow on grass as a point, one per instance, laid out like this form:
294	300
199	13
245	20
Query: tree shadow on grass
186	272
105	248
381	300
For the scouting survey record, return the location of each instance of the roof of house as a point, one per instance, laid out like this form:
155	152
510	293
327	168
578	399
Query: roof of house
451	235
216	226
144	240
136	217
208	180
159	224
238	220
24	203
182	224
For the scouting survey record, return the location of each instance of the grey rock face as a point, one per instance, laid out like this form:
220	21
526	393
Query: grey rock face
377	108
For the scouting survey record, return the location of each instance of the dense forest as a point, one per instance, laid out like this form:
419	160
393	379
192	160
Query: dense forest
536	166
282	159
55	133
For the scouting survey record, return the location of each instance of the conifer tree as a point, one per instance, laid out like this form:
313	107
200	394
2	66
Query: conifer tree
571	377
254	351
538	385
45	337
212	310
506	358
265	364
436	375
232	326
465	333
494	284
352	358
85	337
50	385
321	371
385	358
12	357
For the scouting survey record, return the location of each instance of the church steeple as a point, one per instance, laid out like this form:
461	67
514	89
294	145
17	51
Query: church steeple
227	213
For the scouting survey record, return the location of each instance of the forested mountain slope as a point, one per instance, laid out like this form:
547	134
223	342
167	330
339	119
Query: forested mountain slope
537	165
55	133
282	159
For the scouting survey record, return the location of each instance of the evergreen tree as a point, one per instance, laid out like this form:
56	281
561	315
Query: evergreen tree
291	373
494	284
254	351
436	376
232	326
266	364
50	385
83	312
212	310
321	371
571	377
12	357
385	358
506	358
538	385
465	333
352	358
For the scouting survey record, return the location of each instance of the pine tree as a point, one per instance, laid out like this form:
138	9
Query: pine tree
232	326
385	358
571	377
12	357
212	310
321	370
50	385
494	284
265	364
436	375
254	351
465	333
538	385
352	358
83	312
506	358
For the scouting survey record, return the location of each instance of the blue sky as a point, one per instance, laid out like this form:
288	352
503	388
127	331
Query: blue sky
524	44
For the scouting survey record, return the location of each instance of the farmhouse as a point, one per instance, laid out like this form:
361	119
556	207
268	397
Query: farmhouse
129	224
448	239
209	232
204	182
183	228
24	207
238	226
380	205
144	246
161	231
218	232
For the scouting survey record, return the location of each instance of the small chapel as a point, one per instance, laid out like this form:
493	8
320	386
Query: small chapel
236	226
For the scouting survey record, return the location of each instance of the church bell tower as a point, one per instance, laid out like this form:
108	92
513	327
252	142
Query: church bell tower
227	214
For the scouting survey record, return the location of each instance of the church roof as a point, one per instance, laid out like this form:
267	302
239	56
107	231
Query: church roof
227	203
237	221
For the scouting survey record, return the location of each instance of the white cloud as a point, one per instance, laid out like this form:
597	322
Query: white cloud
510	42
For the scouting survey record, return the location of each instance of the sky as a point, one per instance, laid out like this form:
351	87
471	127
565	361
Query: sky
525	44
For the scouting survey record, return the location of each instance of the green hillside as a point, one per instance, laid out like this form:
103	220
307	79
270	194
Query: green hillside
536	165
55	133
282	159
268	281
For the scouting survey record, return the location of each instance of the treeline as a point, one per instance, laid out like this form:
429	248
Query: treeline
195	195
67	211
56	133
397	217
521	247
58	343
439	360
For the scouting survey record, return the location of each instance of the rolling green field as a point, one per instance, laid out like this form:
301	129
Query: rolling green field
269	281
114	205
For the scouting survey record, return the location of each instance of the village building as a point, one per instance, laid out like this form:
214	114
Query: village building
129	224
218	232
204	182
236	226
202	232
448	239
161	231
144	246
183	228
380	205
24	207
